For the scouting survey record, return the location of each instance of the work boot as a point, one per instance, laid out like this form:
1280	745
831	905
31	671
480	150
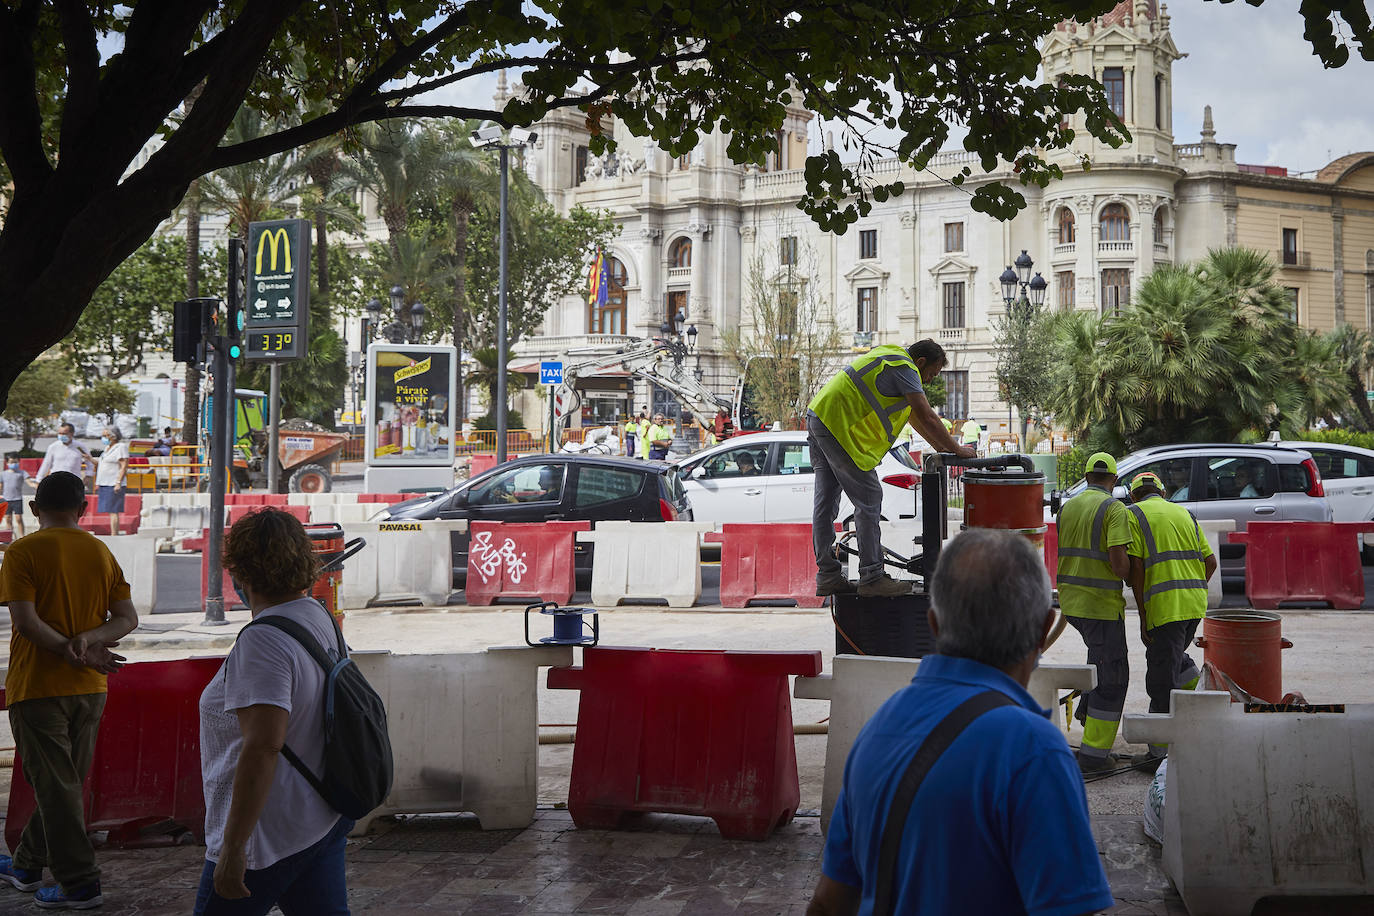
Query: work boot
884	587
1147	762
834	585
1088	765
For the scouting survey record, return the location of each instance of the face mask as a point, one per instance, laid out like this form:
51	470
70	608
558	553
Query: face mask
65	439
238	591
104	440
14	465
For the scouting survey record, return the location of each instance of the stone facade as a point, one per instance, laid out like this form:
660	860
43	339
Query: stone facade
931	266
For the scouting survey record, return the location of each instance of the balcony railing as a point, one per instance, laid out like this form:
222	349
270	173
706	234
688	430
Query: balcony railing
1161	250
1295	260
1064	251
679	273
1116	249
951	335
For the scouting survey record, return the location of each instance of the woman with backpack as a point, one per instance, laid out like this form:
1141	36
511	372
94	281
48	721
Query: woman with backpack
271	838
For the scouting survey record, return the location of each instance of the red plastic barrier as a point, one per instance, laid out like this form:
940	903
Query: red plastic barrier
766	562
99	522
30	466
686	732
147	758
1052	553
1312	562
385	497
302	513
521	560
483	463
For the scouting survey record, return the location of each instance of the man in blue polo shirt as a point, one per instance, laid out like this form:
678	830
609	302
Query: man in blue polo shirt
999	823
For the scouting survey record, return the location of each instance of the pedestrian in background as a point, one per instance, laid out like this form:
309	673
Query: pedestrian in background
630	433
66	454
270	838
111	473
70	605
960	794
642	451
660	437
971	434
12	483
1171	562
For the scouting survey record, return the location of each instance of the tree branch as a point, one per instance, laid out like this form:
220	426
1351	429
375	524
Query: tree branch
21	121
83	71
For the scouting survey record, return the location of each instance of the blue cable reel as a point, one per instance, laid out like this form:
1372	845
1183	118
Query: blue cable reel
569	629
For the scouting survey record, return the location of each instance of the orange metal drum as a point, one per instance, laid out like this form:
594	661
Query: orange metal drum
1012	500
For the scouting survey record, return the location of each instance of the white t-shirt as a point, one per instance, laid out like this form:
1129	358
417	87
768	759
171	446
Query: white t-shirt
267	666
107	469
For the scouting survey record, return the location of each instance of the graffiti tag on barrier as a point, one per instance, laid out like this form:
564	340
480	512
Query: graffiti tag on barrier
489	559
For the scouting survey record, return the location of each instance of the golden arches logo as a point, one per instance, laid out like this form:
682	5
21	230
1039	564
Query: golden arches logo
274	238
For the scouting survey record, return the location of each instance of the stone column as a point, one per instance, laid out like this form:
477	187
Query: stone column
698	299
650	285
1338	259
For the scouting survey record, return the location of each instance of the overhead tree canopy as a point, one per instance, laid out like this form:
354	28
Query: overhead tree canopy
87	85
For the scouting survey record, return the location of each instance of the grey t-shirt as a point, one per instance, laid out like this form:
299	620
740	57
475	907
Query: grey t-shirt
267	666
13	483
898	381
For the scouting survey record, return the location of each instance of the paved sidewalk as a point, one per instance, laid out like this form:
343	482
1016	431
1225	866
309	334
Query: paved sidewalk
662	866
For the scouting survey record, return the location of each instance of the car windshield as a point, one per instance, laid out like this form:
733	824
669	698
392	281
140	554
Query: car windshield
904	456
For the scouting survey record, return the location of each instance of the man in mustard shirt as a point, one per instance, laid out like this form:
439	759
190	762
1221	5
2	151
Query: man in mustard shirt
1171	562
1093	536
70	605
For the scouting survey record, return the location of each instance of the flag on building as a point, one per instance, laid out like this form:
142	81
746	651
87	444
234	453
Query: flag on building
599	281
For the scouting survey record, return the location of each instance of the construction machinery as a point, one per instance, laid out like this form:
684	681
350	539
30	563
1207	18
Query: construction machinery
304	453
660	360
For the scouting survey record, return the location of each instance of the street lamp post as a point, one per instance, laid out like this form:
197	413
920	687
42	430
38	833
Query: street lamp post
1021	291
408	324
504	141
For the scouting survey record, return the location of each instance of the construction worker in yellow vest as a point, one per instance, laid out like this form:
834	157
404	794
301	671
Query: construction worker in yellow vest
1171	562
660	438
971	433
851	424
1094	533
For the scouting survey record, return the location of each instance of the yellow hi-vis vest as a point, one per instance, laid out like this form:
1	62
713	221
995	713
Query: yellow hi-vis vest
861	419
1088	525
1167	539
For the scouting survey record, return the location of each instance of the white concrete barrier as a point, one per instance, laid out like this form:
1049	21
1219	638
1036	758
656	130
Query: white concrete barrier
860	684
464	731
1263	803
1214	531
403	561
136	555
646	560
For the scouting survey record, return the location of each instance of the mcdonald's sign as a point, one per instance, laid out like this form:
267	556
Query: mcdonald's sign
278	278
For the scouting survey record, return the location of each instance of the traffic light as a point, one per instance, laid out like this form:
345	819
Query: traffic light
186	331
238	289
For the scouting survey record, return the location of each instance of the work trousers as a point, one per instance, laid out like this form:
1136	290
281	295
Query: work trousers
55	738
837	473
308	883
1106	642
1168	667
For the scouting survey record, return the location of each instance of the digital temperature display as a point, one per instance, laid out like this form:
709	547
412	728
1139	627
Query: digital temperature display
273	343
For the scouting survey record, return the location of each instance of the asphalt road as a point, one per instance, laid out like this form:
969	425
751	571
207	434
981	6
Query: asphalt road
178	586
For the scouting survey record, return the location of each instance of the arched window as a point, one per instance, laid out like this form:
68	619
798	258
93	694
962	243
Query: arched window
1159	226
1066	226
1114	223
680	253
610	318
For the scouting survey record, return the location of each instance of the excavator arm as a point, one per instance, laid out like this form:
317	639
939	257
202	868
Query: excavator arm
658	360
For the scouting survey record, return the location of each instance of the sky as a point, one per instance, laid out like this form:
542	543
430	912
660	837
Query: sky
1269	94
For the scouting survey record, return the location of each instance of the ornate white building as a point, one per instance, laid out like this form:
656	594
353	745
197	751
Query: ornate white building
925	264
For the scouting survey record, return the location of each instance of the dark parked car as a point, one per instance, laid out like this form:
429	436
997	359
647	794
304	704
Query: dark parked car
541	488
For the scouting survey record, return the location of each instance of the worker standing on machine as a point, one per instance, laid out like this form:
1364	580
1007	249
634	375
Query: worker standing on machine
1094	533
851	424
1171	562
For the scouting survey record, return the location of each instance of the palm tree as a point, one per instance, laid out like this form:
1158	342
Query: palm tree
415	263
322	201
190	405
471	182
485	375
249	193
399	164
1355	351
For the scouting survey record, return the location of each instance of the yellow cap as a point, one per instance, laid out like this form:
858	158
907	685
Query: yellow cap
1100	463
1149	477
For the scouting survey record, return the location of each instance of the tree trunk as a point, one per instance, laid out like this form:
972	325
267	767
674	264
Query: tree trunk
1357	394
322	253
461	215
190	406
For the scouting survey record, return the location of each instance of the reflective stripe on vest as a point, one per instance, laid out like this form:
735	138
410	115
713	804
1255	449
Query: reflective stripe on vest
1095	538
1155	556
863	420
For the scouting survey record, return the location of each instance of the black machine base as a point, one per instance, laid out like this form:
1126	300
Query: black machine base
883	626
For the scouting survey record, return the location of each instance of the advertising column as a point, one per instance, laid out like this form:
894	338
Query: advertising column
410	440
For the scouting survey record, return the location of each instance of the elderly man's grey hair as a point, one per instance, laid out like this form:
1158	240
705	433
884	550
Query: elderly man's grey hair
990	595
